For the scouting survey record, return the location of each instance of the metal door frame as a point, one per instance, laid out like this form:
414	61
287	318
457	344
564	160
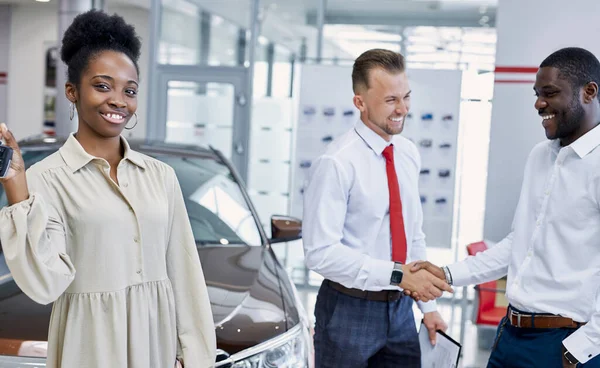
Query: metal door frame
236	76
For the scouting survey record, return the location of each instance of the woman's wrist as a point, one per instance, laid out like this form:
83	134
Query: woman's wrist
16	189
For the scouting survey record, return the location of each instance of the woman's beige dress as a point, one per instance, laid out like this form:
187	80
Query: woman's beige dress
118	261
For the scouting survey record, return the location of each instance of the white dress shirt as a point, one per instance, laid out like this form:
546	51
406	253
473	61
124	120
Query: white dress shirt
346	225
552	255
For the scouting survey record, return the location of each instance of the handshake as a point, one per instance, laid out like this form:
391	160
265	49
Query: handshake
424	281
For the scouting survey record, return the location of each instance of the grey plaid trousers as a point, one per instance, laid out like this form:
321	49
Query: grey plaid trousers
355	333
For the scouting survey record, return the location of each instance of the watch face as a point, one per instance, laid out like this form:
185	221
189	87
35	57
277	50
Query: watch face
396	277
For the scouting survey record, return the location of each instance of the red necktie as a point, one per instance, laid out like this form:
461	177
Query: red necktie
396	219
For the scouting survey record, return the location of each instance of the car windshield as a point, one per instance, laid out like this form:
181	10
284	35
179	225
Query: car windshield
217	209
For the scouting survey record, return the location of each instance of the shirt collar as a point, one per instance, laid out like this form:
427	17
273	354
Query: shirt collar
372	139
76	157
587	142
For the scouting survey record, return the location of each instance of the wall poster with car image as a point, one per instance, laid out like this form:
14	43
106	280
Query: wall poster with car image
326	111
432	125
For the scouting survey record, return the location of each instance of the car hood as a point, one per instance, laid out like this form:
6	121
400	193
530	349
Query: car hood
245	295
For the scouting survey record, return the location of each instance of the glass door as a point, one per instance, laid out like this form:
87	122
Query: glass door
204	106
201	114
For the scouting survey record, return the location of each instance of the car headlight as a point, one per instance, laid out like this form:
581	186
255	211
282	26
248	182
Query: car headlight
289	350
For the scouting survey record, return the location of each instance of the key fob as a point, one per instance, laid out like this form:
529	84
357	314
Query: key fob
6	154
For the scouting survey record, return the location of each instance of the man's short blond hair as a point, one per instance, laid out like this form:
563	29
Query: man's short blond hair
390	61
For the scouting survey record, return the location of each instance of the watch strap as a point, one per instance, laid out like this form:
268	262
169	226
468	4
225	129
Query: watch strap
570	358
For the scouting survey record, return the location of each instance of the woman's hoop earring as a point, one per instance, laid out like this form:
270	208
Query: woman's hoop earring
71	111
136	121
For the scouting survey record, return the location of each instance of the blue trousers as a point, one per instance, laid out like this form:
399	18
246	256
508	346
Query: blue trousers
531	348
355	333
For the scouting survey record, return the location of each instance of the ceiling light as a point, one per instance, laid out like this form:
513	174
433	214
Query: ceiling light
43	1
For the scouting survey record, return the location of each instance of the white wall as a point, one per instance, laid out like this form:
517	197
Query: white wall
525	39
31	27
4	48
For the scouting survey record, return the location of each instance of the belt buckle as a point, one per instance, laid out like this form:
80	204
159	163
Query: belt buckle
516	314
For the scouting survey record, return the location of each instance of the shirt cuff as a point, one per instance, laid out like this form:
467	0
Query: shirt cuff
25	204
581	347
461	275
380	274
427	307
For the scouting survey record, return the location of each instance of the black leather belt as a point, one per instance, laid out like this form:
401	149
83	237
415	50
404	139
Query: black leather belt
378	296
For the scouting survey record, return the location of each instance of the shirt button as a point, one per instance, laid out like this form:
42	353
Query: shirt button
125	185
538	223
136	239
139	272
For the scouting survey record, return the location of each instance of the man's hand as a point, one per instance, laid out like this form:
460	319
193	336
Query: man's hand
423	284
433	269
429	267
565	362
434	322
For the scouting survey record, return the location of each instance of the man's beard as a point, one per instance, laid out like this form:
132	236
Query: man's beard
387	128
570	121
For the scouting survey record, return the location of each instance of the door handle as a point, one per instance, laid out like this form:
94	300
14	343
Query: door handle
241	99
239	148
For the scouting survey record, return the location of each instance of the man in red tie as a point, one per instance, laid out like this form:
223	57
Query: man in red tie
363	226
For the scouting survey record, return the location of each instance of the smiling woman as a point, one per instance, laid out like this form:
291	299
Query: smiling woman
102	75
101	230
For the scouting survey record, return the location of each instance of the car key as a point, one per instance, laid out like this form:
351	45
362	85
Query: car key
6	154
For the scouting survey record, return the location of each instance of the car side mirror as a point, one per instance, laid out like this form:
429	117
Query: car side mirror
285	228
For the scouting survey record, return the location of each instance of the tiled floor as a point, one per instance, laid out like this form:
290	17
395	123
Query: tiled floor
472	355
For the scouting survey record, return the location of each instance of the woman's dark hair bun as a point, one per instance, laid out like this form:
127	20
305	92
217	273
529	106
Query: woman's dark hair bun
95	31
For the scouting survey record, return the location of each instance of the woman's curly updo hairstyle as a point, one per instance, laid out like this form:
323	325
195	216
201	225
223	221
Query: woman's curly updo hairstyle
93	32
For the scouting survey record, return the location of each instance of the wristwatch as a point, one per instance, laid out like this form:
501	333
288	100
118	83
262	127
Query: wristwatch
397	274
570	358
